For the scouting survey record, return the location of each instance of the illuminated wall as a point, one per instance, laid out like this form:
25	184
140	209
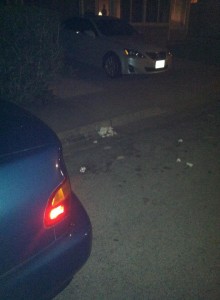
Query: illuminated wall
145	11
179	13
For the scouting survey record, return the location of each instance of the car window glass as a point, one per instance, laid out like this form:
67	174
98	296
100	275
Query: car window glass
87	25
114	27
71	24
79	25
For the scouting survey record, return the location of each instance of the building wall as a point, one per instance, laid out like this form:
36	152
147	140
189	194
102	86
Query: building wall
145	11
205	18
172	19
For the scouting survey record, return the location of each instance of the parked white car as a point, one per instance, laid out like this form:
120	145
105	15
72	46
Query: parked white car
112	44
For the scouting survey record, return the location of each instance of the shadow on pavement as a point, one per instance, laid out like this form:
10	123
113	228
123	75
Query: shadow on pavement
206	50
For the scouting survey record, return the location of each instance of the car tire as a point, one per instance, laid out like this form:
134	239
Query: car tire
112	65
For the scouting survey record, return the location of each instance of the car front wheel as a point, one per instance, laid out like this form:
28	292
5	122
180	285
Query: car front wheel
112	65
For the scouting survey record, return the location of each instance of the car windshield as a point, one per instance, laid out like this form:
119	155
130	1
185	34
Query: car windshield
114	27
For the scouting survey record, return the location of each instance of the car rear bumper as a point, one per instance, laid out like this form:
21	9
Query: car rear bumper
44	275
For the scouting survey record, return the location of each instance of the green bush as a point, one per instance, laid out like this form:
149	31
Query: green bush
30	55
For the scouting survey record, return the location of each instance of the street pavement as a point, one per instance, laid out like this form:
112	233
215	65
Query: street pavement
86	102
153	200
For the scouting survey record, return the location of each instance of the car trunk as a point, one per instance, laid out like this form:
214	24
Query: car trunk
30	170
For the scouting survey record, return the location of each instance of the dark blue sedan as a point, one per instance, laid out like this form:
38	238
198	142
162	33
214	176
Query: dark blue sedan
45	233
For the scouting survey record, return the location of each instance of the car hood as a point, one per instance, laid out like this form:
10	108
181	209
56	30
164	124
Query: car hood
20	131
135	42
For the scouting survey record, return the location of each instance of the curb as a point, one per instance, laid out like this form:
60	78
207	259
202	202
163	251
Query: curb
73	135
92	130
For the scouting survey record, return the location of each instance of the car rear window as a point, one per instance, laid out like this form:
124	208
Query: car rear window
78	25
114	27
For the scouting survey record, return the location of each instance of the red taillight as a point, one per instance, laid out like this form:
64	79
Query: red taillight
58	205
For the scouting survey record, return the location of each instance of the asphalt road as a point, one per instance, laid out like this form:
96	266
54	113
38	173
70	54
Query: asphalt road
87	100
153	198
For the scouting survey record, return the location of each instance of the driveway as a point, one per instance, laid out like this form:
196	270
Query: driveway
87	100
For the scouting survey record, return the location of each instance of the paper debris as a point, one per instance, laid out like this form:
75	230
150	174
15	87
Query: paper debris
178	160
107	148
120	157
189	164
82	170
95	142
180	140
211	116
106	132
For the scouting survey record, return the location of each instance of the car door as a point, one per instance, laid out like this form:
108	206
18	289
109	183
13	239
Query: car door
79	40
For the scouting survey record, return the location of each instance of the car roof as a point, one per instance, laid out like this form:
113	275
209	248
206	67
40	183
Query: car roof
90	17
95	17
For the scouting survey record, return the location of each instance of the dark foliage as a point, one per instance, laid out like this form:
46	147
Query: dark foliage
30	54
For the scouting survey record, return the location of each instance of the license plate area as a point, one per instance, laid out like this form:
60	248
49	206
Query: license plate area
160	64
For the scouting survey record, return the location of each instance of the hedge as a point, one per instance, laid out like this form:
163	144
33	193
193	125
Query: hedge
30	54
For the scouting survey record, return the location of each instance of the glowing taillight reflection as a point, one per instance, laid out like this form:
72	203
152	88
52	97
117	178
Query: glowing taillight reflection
58	205
56	212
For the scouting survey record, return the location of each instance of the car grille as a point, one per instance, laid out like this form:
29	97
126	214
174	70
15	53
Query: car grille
157	55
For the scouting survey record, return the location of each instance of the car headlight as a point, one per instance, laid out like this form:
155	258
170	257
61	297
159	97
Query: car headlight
133	53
